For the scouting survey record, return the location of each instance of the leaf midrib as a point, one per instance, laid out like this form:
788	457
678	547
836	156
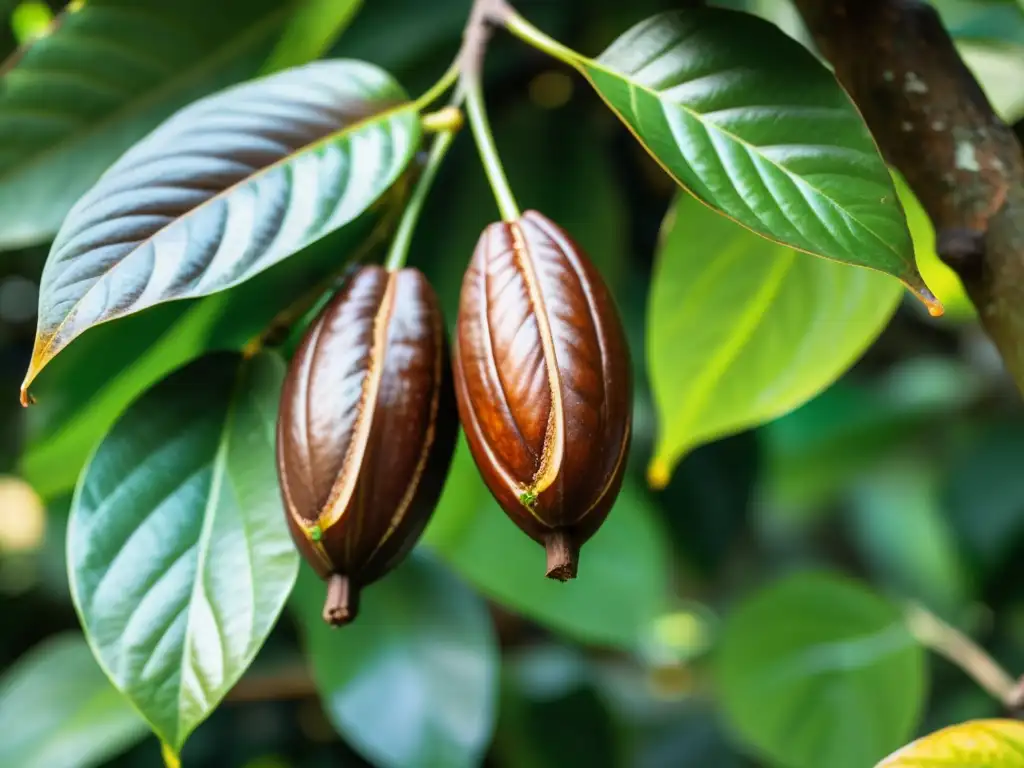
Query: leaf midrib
583	63
203	546
736	340
137	106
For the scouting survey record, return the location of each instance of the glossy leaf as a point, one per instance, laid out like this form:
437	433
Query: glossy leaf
58	709
310	31
815	670
975	744
748	121
414	681
178	553
625	573
85	388
222	191
109	73
741	330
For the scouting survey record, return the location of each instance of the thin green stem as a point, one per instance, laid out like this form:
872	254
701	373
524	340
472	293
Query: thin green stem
438	89
403	235
477	113
529	34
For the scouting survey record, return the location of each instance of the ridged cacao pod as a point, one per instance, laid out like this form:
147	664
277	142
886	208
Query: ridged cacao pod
543	382
366	430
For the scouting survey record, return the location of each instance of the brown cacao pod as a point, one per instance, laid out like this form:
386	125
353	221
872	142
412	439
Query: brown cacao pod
543	382
366	430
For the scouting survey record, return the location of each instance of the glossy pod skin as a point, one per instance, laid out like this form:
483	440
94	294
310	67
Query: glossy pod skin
544	384
366	430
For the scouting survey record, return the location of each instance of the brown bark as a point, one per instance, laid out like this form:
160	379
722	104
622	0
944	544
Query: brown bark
933	122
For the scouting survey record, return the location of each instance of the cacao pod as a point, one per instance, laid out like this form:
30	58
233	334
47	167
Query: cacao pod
366	430
543	383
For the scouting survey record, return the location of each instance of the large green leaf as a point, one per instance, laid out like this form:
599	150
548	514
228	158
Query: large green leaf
741	330
815	670
58	709
624	577
748	121
975	744
109	73
178	552
310	31
412	682
223	190
84	389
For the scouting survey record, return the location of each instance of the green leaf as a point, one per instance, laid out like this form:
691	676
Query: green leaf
58	709
310	31
741	331
178	552
624	573
413	681
817	671
901	530
109	73
748	121
975	744
222	191
85	388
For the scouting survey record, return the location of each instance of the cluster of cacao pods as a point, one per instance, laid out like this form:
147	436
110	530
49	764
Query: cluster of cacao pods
539	378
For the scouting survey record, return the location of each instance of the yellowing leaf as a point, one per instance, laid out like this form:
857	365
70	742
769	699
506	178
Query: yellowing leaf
975	744
742	330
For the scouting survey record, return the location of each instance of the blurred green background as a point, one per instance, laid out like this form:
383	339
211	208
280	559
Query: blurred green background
905	475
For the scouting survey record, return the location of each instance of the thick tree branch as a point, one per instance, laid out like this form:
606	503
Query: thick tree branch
934	124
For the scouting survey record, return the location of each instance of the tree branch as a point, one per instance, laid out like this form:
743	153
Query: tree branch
933	122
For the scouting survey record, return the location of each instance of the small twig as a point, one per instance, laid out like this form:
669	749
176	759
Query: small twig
954	645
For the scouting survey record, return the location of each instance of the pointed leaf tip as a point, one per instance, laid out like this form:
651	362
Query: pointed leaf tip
930	301
30	375
171	760
658	474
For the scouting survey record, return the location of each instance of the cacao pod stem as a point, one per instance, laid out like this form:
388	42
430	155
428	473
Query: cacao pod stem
563	555
342	604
